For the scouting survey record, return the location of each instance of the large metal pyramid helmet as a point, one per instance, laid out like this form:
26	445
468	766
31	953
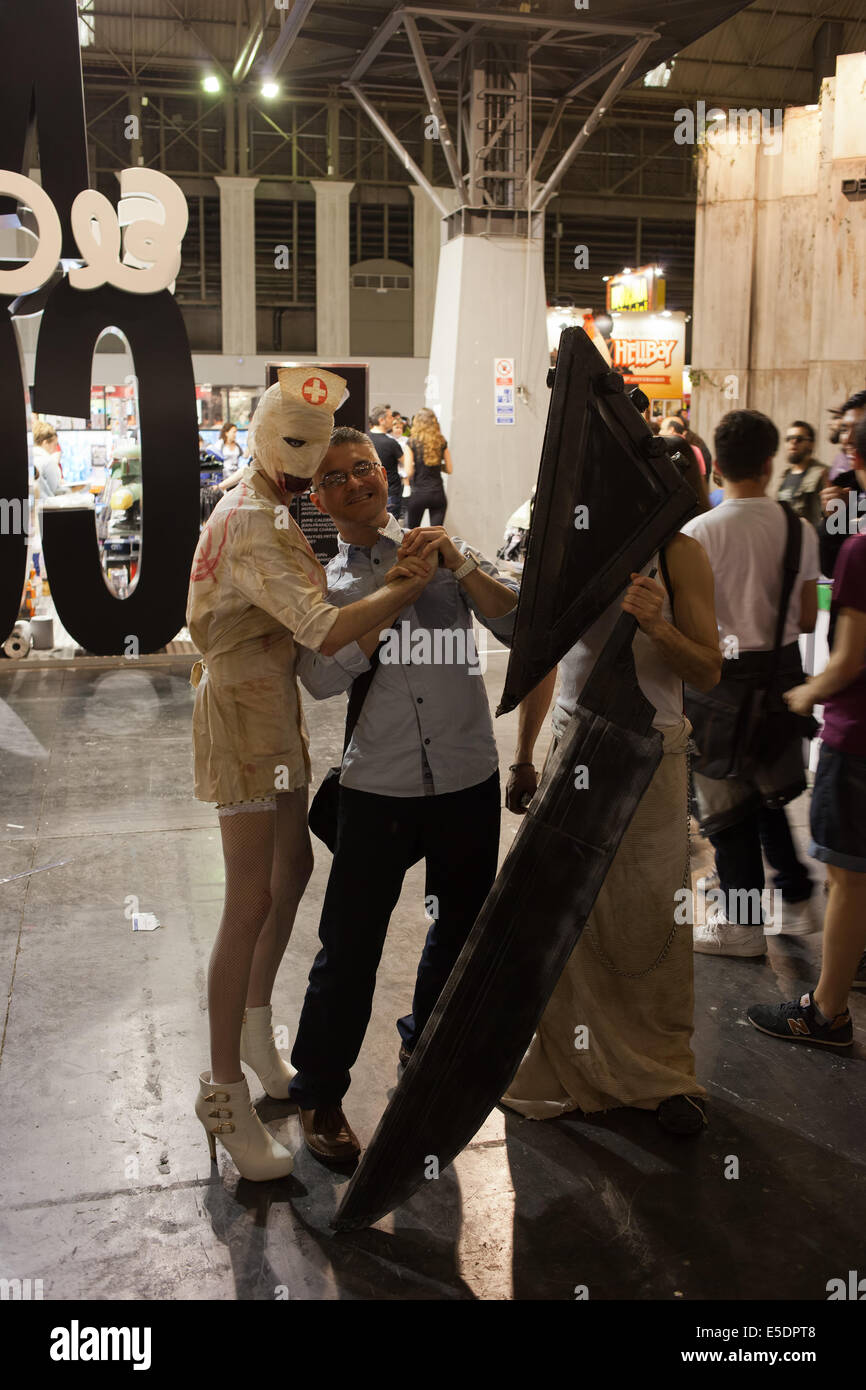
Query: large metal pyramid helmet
609	494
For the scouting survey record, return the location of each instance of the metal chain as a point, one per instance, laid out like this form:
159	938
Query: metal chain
687	878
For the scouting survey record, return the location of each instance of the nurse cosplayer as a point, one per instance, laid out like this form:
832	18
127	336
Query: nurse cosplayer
257	591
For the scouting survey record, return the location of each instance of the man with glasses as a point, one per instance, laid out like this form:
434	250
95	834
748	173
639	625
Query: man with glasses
804	477
419	778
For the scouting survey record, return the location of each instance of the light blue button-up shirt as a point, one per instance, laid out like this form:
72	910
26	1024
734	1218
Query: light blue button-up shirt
425	725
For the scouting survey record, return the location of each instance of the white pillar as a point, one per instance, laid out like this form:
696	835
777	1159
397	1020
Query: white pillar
490	304
238	264
332	267
426	241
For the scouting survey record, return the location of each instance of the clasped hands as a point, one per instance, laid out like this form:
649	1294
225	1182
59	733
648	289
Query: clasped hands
418	557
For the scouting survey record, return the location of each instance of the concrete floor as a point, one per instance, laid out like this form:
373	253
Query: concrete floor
107	1190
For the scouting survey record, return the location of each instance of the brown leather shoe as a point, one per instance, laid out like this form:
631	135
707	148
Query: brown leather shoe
328	1135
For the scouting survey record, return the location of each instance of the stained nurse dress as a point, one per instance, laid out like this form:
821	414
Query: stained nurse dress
256	589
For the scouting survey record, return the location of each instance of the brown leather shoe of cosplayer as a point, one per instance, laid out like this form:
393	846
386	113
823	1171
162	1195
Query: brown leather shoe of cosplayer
328	1135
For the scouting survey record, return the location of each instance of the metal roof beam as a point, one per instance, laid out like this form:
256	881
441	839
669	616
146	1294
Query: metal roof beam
251	46
286	38
400	150
376	44
433	102
556	113
458	46
525	21
185	23
618	81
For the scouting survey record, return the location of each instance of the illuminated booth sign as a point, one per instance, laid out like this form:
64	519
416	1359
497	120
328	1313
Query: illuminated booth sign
636	291
651	351
96	268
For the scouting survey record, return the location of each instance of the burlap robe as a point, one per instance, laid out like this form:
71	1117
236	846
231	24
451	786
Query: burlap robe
629	979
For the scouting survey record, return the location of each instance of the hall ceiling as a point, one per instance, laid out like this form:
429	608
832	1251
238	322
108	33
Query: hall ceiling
723	50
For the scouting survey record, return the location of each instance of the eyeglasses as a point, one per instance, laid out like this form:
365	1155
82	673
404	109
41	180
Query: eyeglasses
798	439
362	469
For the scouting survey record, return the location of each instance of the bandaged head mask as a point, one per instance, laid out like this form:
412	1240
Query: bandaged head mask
292	423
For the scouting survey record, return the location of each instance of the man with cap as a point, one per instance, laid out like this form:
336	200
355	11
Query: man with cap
256	590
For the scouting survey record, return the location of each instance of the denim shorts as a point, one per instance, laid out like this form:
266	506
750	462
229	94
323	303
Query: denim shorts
837	817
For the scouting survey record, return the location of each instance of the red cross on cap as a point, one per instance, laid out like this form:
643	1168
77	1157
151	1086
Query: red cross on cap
314	390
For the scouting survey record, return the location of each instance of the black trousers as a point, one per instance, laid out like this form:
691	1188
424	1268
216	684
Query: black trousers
378	839
740	864
418	502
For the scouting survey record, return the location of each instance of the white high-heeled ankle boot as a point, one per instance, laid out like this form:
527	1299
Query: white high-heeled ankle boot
227	1111
259	1051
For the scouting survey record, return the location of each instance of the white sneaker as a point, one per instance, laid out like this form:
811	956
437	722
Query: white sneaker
800	919
719	937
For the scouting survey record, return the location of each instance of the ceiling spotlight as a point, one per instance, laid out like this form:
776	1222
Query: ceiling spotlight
270	89
627	270
659	76
211	82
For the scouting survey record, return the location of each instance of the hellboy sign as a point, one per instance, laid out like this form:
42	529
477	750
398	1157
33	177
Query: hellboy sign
651	348
94	267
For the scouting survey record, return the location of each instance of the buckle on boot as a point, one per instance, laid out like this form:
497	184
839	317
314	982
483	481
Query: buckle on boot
217	1095
219	1114
223	1129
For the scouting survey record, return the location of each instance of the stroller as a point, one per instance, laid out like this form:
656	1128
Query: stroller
513	547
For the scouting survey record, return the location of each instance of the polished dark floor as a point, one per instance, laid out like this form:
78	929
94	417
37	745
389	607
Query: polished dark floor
107	1189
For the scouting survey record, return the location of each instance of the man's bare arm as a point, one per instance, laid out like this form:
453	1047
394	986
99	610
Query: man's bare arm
845	664
531	714
690	645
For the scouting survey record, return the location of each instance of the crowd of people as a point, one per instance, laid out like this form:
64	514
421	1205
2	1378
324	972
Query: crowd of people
719	613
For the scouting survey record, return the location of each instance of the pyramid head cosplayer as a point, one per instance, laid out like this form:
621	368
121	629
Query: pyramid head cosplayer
292	424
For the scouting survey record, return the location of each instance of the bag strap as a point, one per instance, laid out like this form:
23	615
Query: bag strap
357	695
791	568
663	565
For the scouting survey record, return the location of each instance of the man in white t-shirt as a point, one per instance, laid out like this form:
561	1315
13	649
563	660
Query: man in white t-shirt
745	539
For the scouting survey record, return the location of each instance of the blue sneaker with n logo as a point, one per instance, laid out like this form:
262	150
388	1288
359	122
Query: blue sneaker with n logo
799	1021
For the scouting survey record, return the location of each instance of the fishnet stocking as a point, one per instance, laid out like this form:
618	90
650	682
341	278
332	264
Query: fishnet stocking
268	862
290	874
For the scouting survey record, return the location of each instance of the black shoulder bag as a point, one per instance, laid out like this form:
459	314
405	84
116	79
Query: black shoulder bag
325	805
744	721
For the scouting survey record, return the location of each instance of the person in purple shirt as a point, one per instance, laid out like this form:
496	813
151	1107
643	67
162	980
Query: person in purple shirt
838	813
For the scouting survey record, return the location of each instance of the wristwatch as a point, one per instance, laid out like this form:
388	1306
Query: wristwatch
469	564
